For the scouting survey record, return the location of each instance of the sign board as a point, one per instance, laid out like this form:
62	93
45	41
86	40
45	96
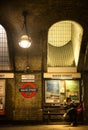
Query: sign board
6	75
62	75
28	90
28	78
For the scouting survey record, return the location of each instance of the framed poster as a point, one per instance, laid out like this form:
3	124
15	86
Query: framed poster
2	97
52	91
73	90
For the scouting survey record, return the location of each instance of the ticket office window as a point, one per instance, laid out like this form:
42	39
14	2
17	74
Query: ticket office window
56	91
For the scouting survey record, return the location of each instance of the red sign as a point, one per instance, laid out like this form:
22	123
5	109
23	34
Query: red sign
28	90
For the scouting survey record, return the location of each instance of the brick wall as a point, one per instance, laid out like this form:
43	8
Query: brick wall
85	98
19	107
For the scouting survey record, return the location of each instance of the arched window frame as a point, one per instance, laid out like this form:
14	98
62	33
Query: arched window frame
5	64
74	38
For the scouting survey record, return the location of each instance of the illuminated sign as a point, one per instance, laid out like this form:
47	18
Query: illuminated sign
28	90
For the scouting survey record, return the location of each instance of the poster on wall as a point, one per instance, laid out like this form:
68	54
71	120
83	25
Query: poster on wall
2	97
52	91
56	91
72	90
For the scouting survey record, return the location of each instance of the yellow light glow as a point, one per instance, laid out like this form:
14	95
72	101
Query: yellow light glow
64	43
25	41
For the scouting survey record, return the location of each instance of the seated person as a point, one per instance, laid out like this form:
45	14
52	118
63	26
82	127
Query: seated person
71	111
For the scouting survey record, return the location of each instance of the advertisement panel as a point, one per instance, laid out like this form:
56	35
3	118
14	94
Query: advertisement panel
56	91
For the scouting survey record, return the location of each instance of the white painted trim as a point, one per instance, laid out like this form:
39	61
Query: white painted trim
62	69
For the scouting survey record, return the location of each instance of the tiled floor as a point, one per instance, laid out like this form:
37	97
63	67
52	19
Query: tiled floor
43	127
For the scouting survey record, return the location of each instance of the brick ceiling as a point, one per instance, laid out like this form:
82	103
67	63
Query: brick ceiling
42	14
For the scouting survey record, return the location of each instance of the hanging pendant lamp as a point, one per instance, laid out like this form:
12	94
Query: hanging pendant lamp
25	39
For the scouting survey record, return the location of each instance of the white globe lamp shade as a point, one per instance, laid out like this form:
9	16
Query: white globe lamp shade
25	41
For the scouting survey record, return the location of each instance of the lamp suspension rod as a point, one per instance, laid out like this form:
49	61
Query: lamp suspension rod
25	13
